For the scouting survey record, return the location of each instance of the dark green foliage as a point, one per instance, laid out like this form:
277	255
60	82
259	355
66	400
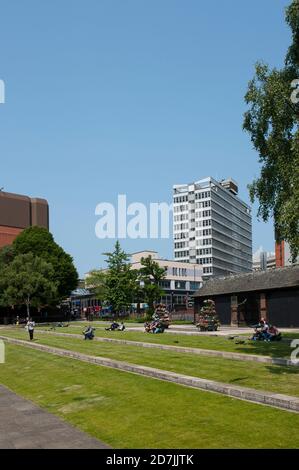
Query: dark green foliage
95	281
272	121
151	275
41	243
120	280
27	280
6	256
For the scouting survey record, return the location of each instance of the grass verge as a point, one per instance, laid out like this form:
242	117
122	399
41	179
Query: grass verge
128	411
271	378
279	349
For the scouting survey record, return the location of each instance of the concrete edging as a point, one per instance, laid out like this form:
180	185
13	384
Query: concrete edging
285	402
201	352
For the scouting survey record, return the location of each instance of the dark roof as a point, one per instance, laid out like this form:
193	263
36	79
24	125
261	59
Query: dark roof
279	278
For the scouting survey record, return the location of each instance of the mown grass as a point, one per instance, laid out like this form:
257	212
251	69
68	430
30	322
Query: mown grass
279	349
273	378
130	411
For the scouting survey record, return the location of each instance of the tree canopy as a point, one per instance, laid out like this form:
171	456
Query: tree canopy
151	275
40	242
120	280
96	282
27	280
120	285
272	122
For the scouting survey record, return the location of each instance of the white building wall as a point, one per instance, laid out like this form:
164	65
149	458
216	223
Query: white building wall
212	227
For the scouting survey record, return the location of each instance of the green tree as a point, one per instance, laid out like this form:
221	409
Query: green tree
151	275
272	121
41	243
120	280
27	280
6	256
96	281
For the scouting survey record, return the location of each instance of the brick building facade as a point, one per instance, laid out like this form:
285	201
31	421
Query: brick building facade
18	213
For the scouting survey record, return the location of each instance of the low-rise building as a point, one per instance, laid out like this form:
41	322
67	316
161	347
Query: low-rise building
182	279
246	298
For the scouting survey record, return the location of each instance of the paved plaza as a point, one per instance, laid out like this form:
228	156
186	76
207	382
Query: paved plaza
26	426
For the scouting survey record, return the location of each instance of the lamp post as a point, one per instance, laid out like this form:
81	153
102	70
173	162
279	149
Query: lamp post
141	285
194	308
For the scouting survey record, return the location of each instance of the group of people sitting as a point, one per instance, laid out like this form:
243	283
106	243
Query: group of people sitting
116	327
154	327
265	332
89	332
160	320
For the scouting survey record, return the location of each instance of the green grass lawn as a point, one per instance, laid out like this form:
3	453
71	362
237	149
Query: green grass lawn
272	378
279	349
130	411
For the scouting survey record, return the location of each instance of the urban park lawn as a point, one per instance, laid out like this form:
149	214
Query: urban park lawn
271	378
130	411
221	343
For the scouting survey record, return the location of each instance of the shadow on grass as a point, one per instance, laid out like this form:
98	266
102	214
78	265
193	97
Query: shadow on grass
275	350
281	370
238	379
80	398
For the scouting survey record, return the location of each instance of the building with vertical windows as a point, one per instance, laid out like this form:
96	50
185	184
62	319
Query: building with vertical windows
212	227
263	260
182	280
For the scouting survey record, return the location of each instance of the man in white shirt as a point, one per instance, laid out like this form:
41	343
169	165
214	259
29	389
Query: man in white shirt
30	328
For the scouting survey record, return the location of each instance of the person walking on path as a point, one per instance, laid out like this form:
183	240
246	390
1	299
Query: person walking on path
30	328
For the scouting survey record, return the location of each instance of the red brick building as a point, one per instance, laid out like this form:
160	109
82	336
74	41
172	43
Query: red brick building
280	254
18	213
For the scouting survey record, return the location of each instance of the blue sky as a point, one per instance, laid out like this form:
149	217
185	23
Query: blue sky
108	97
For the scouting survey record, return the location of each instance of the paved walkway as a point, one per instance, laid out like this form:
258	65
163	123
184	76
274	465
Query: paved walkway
24	425
276	400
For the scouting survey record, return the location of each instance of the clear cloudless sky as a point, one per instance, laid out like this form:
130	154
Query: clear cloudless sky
108	97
